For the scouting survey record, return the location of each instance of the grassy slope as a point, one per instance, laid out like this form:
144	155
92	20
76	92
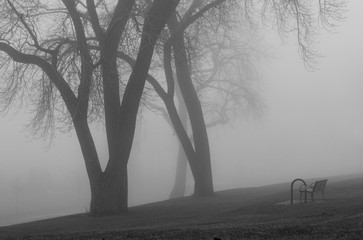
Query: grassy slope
250	213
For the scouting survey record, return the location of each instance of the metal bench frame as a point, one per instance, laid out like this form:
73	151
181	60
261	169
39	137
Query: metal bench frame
317	186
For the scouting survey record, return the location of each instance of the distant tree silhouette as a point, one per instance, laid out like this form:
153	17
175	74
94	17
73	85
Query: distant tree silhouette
219	17
227	88
221	69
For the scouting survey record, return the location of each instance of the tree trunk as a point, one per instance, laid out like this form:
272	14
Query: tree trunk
180	175
203	177
182	162
109	191
109	194
109	188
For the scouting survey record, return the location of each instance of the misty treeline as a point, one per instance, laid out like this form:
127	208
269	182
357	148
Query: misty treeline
74	62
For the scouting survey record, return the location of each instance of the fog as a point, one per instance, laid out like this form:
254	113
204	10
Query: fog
311	127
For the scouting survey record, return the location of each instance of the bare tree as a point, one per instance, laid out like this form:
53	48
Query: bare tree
303	18
42	66
60	58
197	151
226	88
178	54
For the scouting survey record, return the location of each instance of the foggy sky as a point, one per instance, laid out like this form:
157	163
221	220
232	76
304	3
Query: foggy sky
311	118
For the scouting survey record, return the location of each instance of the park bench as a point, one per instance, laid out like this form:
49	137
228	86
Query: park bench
317	186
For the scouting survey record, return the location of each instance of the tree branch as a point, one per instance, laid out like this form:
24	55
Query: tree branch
117	26
27	27
157	87
168	70
187	21
86	60
62	86
95	20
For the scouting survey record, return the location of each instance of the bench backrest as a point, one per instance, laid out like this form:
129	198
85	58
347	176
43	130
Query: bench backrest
320	185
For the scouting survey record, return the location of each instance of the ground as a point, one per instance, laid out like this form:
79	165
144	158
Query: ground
249	213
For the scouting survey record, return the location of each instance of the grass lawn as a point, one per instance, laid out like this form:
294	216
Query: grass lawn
249	213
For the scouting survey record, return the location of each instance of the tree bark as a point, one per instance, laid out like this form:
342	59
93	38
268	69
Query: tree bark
109	194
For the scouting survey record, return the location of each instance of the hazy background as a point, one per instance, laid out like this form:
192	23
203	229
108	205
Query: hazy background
310	118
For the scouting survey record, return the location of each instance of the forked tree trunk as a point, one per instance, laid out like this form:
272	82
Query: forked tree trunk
109	194
109	189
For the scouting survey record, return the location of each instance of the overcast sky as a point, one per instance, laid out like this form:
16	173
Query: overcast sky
311	119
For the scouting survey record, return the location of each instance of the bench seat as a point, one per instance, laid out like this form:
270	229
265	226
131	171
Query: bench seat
317	186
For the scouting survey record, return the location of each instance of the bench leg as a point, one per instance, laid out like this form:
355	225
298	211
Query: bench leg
323	195
301	193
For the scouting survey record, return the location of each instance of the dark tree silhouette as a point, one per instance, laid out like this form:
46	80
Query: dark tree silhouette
38	56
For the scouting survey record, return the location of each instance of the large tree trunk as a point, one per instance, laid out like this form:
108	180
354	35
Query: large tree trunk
109	191
203	171
109	188
109	194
